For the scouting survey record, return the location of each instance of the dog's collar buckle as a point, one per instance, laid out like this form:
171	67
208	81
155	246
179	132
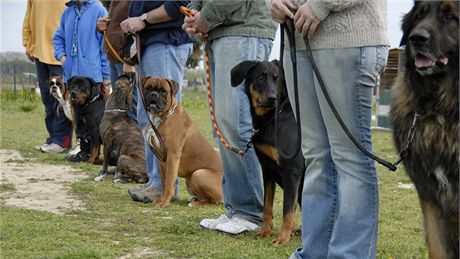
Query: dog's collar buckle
115	110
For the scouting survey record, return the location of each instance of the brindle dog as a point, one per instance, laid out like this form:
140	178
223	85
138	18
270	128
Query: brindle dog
121	134
429	87
262	81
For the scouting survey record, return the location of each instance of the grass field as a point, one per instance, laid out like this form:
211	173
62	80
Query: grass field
112	225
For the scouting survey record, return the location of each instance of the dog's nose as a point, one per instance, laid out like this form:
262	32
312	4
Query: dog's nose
419	36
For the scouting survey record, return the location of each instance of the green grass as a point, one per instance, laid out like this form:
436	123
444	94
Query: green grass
112	225
7	187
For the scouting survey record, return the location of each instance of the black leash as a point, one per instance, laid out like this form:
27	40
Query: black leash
289	27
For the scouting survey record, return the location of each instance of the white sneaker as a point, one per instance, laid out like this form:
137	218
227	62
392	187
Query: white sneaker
53	148
237	225
39	148
212	223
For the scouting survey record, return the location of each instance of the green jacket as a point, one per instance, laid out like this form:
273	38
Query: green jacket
236	18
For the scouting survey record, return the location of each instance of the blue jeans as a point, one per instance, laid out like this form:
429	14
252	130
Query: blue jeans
340	191
116	70
161	60
242	181
58	126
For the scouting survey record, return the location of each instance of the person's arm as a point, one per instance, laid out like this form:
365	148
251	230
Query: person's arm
214	12
196	5
105	65
26	30
322	8
59	41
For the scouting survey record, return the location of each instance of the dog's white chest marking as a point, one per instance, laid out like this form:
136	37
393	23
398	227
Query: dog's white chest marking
151	137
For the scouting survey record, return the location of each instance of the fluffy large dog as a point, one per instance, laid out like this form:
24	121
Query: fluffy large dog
88	104
121	134
262	80
429	87
189	155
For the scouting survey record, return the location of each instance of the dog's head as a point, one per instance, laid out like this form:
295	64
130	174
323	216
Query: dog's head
430	33
261	81
122	94
57	87
82	90
159	94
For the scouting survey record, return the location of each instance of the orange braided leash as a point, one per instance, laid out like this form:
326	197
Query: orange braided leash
187	12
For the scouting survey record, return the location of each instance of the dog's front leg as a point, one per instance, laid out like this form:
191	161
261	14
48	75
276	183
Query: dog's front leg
169	180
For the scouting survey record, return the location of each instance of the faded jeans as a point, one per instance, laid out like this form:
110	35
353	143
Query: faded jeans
340	192
242	181
161	60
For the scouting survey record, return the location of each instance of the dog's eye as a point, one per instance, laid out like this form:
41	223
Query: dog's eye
162	90
275	78
448	16
261	78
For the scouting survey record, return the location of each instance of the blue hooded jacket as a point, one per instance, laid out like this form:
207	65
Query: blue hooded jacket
78	40
166	32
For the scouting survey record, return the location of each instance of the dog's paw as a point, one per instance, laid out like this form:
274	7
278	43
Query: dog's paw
100	178
265	232
282	239
162	203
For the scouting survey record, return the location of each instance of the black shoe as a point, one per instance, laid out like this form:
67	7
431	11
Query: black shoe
80	157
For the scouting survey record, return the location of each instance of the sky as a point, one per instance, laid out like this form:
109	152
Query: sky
12	15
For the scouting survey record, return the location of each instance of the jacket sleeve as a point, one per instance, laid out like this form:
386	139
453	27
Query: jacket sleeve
214	12
105	65
59	39
26	30
173	8
322	8
196	5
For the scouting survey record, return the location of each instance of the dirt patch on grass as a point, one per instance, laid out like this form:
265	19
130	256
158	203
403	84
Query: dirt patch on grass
38	186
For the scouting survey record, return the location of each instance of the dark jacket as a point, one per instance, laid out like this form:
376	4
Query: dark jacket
166	32
118	12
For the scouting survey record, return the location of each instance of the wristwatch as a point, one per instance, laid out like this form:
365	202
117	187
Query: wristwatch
144	18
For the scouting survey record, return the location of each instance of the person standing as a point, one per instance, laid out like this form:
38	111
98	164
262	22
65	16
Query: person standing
118	12
78	46
165	49
40	23
236	31
340	193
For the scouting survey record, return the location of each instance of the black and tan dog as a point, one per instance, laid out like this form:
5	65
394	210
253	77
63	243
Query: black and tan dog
429	87
189	155
262	81
59	92
88	104
122	136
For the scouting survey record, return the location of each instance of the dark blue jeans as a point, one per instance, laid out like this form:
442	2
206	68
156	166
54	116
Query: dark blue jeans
58	126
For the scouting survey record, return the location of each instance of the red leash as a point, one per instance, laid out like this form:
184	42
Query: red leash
187	12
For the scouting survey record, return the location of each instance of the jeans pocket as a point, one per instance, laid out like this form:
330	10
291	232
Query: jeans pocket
382	58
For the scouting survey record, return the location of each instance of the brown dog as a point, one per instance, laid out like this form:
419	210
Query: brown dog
121	137
189	155
59	92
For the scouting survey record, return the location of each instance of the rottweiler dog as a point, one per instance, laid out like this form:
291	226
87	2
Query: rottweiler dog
189	155
272	140
88	103
121	134
429	88
59	91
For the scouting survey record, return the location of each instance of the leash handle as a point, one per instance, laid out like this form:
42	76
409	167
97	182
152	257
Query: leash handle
186	11
112	49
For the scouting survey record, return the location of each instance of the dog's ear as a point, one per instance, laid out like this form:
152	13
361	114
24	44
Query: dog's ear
276	62
408	24
240	71
174	86
70	80
144	80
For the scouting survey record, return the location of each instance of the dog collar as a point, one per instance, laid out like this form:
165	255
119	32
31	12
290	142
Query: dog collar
115	110
160	119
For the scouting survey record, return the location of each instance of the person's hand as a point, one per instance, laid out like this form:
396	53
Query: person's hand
132	25
102	24
128	70
29	57
107	87
195	26
281	10
63	58
305	21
